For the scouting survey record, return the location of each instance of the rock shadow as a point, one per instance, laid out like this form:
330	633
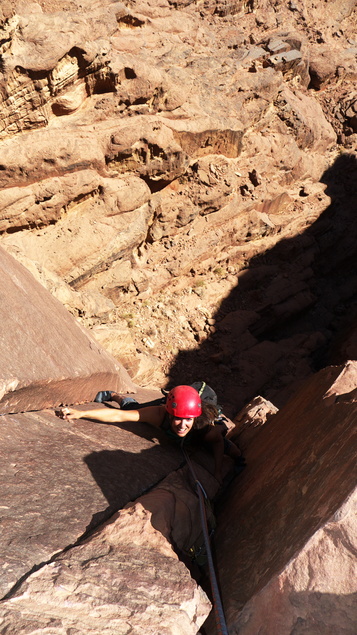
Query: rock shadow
124	475
279	324
324	613
313	613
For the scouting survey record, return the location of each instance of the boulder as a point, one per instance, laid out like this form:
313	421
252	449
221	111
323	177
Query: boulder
249	421
305	119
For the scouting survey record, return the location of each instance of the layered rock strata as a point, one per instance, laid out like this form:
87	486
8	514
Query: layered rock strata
153	151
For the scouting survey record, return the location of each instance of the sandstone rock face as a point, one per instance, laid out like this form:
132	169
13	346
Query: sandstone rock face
59	479
46	357
126	578
182	177
150	152
286	538
316	592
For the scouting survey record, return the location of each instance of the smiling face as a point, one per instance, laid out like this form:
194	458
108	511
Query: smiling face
181	427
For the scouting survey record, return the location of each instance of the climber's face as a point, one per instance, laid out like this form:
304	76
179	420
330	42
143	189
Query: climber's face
181	427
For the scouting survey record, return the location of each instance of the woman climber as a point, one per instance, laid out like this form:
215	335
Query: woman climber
183	416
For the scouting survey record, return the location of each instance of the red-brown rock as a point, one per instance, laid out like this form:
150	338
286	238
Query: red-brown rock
285	540
47	357
60	478
126	578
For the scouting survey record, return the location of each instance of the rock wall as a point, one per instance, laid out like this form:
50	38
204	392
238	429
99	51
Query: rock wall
154	154
181	176
286	535
124	579
46	357
61	567
60	481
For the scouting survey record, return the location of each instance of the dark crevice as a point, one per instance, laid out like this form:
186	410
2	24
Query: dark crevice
27	226
129	73
130	21
155	185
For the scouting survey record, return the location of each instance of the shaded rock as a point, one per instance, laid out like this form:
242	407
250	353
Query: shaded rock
300	499
237	322
203	140
58	479
315	593
323	68
175	507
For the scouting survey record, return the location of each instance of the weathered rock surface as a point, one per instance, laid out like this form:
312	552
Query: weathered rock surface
286	538
47	358
182	177
124	579
146	145
59	478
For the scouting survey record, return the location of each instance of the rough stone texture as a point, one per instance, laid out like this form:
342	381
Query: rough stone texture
62	479
151	151
58	479
124	579
286	538
249	420
47	358
316	592
182	176
174	502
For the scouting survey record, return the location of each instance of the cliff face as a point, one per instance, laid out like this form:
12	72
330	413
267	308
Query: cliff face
172	172
181	176
287	533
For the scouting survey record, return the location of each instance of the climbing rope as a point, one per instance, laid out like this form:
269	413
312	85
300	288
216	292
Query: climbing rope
217	603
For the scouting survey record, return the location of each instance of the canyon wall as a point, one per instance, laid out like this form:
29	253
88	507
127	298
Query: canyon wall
287	534
181	177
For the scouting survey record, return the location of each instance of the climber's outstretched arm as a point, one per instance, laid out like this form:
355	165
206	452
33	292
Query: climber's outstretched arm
154	415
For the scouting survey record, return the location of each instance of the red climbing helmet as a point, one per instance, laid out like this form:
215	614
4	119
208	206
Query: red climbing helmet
184	402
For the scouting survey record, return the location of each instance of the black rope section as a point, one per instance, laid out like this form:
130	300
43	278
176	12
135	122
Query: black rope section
217	602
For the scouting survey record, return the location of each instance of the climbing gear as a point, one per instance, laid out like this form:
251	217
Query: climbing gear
184	402
198	551
103	395
206	393
217	602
